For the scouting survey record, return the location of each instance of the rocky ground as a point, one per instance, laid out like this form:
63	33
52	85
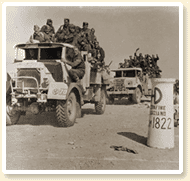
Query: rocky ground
36	143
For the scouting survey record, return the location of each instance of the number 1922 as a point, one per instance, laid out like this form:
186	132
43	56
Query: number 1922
161	123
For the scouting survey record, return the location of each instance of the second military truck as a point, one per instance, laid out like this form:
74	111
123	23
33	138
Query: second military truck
129	82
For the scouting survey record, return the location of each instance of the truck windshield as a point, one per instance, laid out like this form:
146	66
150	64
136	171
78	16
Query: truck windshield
129	73
118	74
31	54
50	53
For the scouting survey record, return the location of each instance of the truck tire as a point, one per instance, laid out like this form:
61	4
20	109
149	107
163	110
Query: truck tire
79	111
136	97
66	111
111	100
12	117
100	106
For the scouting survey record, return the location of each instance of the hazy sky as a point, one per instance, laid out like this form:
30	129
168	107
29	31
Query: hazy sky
120	30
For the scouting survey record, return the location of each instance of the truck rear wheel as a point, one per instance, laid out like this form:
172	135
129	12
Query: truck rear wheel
12	117
66	111
100	106
136	97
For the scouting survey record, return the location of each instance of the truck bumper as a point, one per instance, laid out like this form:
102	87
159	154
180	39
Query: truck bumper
126	92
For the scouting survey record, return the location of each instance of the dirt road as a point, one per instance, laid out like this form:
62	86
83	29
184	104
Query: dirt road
36	143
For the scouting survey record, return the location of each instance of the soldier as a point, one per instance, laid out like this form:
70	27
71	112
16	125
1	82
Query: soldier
92	38
47	37
83	42
77	29
130	61
72	32
37	35
154	60
100	54
78	68
62	31
126	63
51	28
85	29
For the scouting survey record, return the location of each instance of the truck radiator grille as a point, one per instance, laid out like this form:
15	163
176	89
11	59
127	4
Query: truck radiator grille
119	84
29	83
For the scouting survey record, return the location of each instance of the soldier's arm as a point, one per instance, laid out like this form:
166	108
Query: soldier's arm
72	64
47	38
53	30
59	31
43	28
69	38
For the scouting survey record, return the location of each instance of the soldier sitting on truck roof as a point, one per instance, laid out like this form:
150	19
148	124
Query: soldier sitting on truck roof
40	36
78	67
126	63
37	35
83	42
85	29
47	37
62	31
51	28
130	61
70	37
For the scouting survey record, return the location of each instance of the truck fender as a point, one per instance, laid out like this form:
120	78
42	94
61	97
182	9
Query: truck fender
140	87
74	87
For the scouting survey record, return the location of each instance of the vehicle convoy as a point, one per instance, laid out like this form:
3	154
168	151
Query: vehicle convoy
129	82
41	83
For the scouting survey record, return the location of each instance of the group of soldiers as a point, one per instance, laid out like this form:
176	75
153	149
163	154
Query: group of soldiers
147	63
83	38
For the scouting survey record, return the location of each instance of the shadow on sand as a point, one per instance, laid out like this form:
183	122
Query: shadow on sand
125	102
48	118
134	137
38	120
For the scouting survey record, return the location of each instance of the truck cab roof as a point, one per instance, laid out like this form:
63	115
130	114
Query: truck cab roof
126	69
43	45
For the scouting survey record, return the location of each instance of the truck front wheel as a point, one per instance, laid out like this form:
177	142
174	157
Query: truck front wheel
100	106
66	111
136	97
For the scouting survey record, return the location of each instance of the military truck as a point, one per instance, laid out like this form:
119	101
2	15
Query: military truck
41	83
129	82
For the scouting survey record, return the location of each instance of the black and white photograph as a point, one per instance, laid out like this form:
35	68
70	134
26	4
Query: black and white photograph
92	88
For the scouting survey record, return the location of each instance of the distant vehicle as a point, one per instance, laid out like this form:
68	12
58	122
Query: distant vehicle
129	82
41	83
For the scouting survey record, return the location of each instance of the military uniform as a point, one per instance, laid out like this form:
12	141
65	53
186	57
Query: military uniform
78	70
83	43
51	29
37	35
85	29
62	31
70	37
154	60
100	54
